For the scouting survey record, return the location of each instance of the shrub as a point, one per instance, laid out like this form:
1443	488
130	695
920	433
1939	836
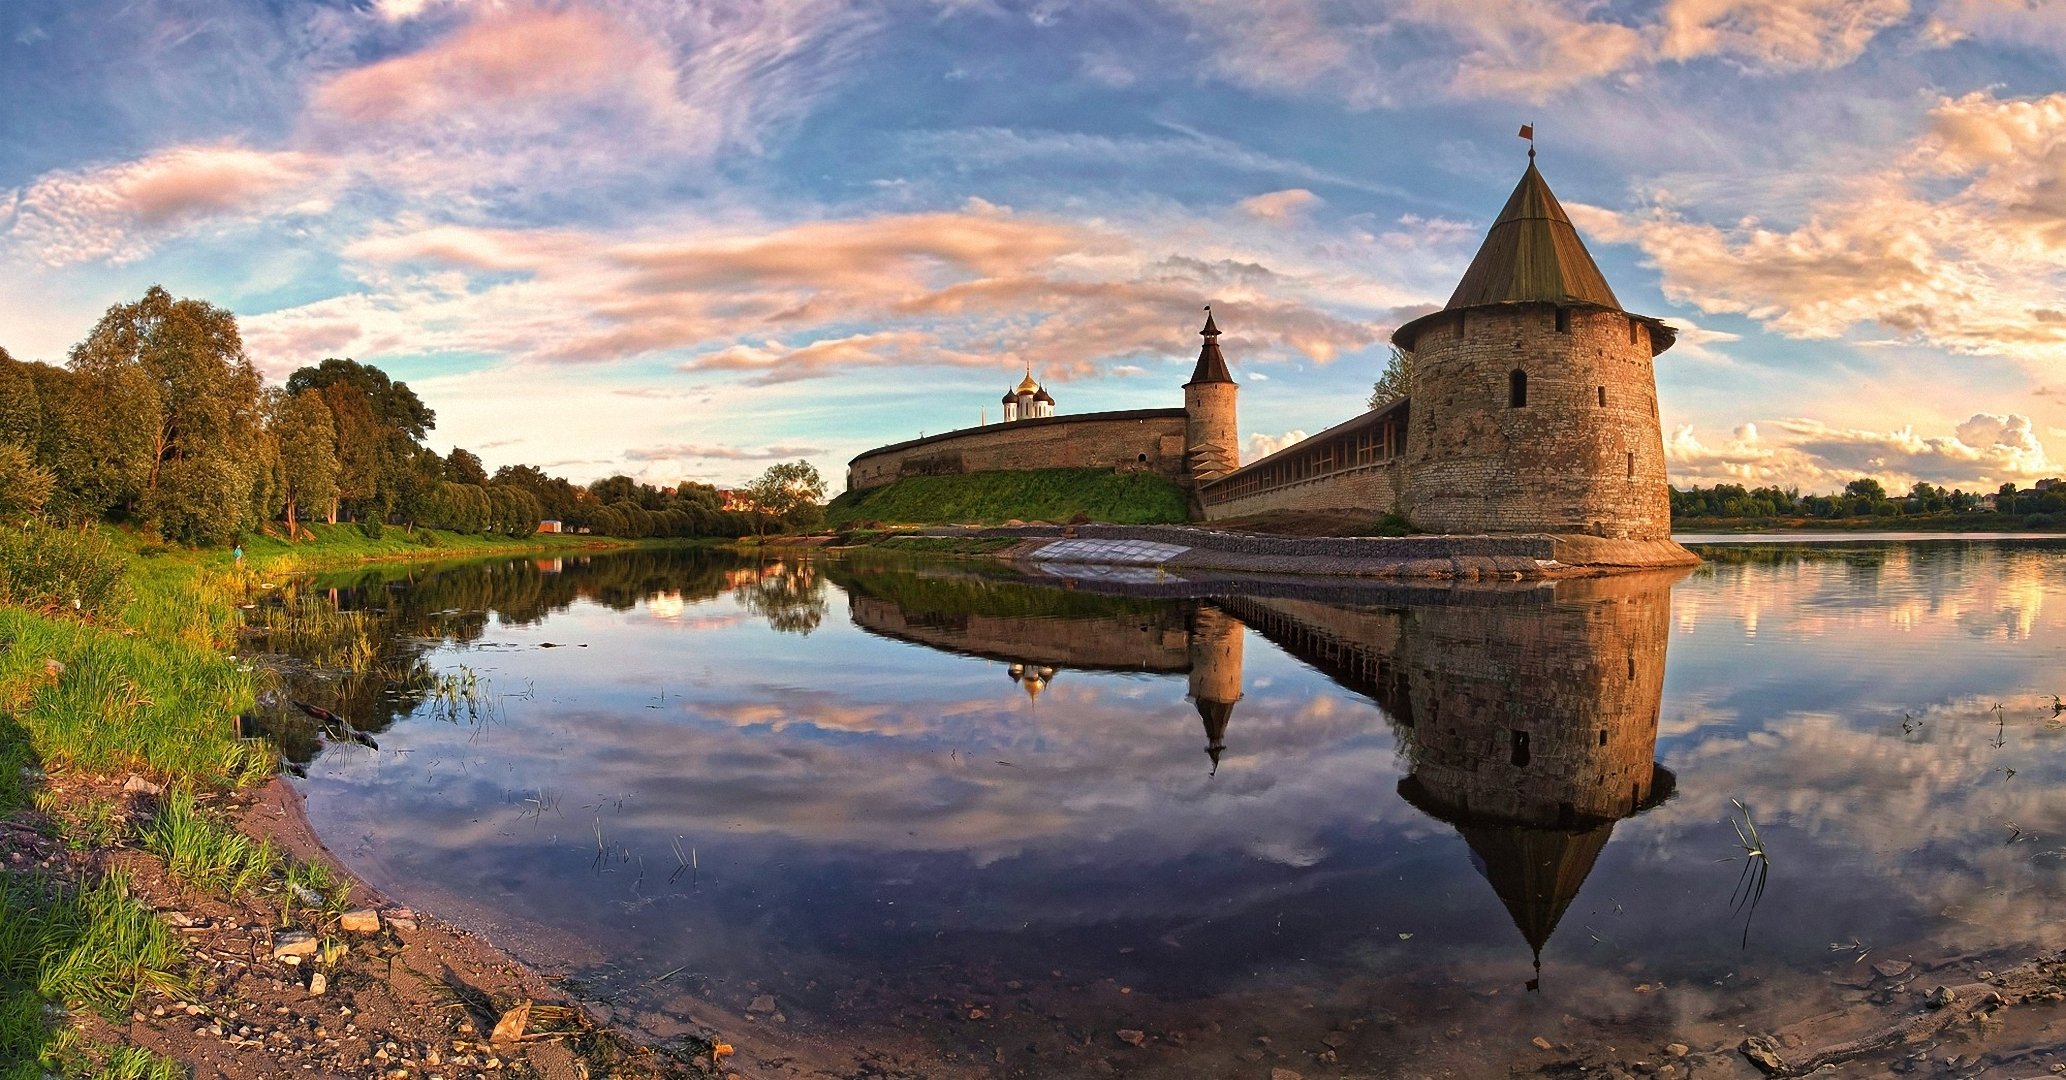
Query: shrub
427	538
372	529
1392	525
24	487
49	570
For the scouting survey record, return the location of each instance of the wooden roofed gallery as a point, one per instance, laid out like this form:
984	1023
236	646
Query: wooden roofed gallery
1373	440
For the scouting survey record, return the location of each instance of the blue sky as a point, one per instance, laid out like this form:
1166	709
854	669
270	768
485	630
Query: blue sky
685	240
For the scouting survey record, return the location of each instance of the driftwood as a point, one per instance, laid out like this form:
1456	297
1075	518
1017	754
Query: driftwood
1946	1009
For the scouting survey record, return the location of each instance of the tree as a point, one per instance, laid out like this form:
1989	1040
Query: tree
380	427
1865	487
307	442
2005	499
783	491
1397	380
463	466
176	371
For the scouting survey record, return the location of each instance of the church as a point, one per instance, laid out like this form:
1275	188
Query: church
1533	410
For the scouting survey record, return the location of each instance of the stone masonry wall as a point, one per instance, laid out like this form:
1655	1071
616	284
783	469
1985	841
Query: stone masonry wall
1149	440
1544	718
1213	420
1160	644
1372	490
1585	454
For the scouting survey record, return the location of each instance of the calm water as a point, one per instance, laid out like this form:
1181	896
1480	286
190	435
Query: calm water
977	825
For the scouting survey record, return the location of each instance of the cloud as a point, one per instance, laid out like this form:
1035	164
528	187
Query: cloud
713	452
980	287
1980	454
1530	50
1777	35
507	105
119	212
1280	205
1958	243
498	63
1261	445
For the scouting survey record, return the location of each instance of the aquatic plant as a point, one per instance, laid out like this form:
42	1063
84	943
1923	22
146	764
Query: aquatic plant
1757	868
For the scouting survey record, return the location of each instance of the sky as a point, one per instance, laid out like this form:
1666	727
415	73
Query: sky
685	240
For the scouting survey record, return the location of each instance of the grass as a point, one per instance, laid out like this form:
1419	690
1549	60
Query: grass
203	853
989	498
141	677
94	948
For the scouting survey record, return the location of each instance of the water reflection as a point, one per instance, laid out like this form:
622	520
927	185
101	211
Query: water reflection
1528	717
970	787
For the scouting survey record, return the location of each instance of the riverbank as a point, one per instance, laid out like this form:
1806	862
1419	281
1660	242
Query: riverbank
1180	548
144	898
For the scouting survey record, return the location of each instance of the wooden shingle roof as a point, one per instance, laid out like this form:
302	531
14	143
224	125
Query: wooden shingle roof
1532	255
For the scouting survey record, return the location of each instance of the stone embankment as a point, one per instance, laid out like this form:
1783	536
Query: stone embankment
1514	557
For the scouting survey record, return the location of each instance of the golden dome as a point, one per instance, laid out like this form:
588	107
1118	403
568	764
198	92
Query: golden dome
1029	386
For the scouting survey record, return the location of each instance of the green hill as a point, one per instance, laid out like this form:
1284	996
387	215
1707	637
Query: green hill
989	498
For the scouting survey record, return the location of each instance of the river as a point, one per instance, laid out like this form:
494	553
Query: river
945	819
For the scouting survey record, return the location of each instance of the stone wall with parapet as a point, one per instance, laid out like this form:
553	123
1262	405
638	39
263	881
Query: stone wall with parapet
1142	440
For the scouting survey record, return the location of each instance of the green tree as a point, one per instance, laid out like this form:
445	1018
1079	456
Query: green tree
380	428
783	492
1865	487
307	442
463	466
176	371
1396	381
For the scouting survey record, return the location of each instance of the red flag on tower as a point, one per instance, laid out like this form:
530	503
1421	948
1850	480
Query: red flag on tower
1528	132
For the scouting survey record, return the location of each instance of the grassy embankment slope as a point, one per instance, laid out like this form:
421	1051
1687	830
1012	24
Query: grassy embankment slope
991	498
117	660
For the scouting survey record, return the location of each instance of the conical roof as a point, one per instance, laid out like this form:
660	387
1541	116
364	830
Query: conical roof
1532	255
1535	872
1212	366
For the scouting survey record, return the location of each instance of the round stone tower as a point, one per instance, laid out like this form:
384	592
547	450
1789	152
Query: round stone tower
1534	405
1212	434
1215	679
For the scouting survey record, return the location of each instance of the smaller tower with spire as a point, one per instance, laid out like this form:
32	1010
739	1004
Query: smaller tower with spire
1212	429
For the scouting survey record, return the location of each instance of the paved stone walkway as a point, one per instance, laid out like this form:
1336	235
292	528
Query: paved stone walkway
1109	552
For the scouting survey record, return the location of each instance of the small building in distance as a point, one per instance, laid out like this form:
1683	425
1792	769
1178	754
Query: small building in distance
551	525
1534	410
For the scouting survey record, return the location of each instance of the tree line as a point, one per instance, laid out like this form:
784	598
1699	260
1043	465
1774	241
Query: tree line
159	420
1865	498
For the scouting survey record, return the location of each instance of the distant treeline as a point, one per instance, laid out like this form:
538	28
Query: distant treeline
157	419
2043	505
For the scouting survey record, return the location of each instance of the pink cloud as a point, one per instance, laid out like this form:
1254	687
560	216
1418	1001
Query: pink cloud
118	212
495	62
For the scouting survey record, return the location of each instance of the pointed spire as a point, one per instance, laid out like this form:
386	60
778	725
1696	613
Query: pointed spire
1212	366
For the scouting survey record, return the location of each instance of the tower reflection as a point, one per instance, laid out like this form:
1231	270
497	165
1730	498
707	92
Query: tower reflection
1528	716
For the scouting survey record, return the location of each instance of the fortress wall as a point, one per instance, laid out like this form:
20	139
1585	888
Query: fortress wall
1368	489
1564	462
1147	440
1129	644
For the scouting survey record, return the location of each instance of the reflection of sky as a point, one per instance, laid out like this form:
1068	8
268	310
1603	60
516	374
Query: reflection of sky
860	807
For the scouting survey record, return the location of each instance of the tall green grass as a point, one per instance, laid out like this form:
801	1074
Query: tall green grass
93	948
989	498
203	853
